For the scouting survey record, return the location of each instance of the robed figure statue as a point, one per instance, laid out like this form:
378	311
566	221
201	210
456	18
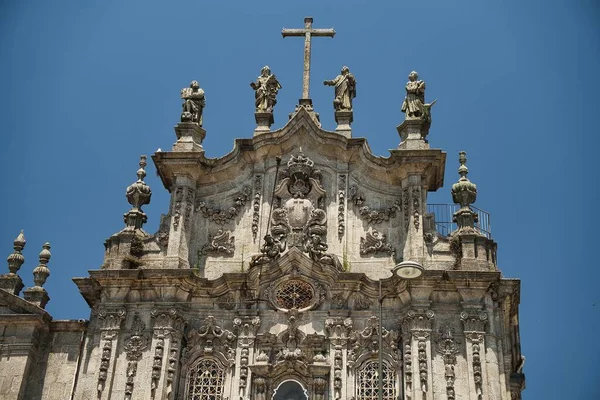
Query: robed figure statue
414	105
345	90
266	88
193	103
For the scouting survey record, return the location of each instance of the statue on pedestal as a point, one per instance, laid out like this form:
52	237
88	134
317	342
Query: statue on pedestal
414	105
193	103
266	88
345	90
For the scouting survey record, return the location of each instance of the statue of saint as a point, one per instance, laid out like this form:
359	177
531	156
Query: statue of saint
193	103
414	105
345	90
266	88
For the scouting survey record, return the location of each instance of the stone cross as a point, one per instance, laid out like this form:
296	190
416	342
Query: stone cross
307	32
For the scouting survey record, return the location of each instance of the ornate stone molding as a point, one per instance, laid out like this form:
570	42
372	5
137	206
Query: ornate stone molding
256	205
177	207
375	242
448	347
408	374
221	243
405	207
341	204
362	302
373	216
476	340
221	217
134	346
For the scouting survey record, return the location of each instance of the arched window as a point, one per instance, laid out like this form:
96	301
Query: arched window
368	381
205	381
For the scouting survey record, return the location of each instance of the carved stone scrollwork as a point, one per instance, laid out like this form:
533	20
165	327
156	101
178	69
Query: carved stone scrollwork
366	341
341	204
338	301
110	323
405	208
177	207
135	344
211	339
473	322
373	216
319	385
227	302
256	205
221	243
375	242
448	347
221	217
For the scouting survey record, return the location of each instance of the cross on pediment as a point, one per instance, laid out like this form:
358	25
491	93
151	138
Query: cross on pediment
308	32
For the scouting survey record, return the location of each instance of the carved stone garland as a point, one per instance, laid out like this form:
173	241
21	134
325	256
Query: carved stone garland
341	204
245	328
256	205
416	198
135	344
448	347
408	374
177	207
338	330
405	207
418	324
474	328
221	217
110	324
373	216
375	242
221	243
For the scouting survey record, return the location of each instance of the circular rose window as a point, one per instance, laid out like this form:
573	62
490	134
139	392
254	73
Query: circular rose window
294	294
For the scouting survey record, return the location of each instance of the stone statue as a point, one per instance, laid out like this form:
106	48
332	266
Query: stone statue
345	90
414	105
193	103
266	88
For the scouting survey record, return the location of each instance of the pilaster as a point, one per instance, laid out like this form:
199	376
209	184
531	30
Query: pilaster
413	204
167	328
110	321
338	330
182	213
418	378
474	330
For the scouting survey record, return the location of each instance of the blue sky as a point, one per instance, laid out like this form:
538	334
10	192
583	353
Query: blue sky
86	87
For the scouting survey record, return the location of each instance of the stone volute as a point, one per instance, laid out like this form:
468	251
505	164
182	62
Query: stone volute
464	193
137	194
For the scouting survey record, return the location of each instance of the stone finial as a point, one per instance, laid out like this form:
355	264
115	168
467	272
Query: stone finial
464	192
42	272
37	295
16	259
137	195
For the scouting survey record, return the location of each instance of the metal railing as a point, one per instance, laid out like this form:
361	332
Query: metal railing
443	219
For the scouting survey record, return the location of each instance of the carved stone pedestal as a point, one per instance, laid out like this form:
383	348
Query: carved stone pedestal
189	137
344	119
37	295
264	120
12	283
412	134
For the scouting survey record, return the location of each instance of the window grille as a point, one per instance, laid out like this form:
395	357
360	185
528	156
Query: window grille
368	381
205	381
294	294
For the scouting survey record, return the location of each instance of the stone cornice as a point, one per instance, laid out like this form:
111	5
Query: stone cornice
301	130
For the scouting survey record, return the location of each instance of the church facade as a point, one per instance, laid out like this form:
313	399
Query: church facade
298	266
